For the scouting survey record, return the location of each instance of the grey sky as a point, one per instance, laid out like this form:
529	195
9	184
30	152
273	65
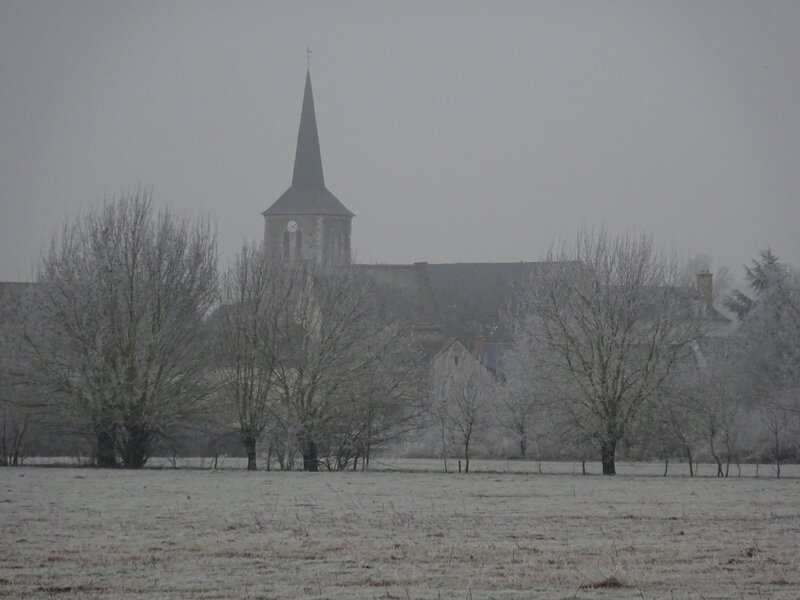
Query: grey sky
455	131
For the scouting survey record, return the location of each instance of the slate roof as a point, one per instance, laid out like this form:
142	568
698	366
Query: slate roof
405	294
458	298
308	194
9	289
477	296
432	348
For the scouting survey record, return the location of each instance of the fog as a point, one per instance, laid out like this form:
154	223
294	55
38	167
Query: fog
455	131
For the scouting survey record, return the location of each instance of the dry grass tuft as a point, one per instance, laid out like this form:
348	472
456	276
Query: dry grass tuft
611	582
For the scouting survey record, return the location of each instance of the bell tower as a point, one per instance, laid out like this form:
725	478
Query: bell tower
308	222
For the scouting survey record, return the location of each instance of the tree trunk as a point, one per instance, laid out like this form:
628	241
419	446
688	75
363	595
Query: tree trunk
466	457
777	451
691	464
716	458
310	457
249	441
281	450
607	452
106	453
136	446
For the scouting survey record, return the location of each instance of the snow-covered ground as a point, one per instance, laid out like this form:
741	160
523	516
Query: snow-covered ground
87	533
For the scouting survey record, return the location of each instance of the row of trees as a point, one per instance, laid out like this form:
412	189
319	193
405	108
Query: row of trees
304	351
613	350
130	333
617	354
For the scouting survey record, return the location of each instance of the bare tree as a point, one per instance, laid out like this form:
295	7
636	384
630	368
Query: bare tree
15	412
304	355
776	424
333	362
114	331
527	395
676	423
613	323
381	402
464	395
256	291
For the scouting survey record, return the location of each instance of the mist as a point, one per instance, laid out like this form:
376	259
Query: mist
455	131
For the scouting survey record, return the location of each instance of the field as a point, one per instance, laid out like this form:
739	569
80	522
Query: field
85	533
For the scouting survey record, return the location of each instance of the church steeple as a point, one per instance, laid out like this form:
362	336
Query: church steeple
308	194
308	222
307	158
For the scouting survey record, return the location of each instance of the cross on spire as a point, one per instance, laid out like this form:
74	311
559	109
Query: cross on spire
308	57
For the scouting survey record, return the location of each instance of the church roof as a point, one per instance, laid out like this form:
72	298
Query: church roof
458	298
404	294
308	194
476	296
14	289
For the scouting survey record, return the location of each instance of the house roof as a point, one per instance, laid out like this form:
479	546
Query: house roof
308	195
9	289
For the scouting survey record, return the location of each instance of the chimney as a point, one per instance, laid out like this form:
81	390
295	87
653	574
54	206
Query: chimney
705	287
479	341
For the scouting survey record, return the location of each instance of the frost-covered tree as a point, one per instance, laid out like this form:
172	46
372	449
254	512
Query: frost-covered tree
113	334
17	409
768	348
769	335
463	398
527	399
765	277
381	400
255	292
612	322
335	362
304	356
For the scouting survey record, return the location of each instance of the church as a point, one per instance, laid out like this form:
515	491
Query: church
441	303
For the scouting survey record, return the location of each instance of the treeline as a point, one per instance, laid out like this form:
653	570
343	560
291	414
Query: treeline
614	355
132	343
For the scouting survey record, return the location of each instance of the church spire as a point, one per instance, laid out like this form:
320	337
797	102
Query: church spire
307	158
307	195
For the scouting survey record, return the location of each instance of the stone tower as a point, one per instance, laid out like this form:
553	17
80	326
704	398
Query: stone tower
308	222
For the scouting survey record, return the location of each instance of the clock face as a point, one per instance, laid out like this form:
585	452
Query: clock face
291	226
